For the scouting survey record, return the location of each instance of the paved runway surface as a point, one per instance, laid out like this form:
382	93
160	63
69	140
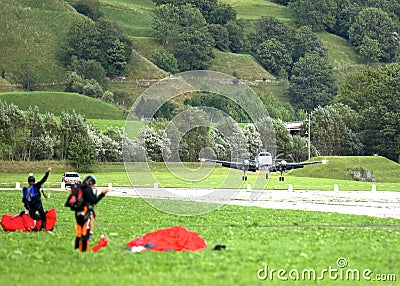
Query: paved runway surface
372	203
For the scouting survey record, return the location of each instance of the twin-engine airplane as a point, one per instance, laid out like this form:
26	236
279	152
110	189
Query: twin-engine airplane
263	162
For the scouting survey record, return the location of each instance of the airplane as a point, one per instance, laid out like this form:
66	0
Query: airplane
262	162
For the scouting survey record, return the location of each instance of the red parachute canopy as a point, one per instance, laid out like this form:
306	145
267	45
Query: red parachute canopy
175	238
26	223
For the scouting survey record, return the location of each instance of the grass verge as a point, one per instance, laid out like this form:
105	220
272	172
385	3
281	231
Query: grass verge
254	237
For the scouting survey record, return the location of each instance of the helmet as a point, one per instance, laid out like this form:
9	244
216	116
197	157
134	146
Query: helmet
31	179
90	180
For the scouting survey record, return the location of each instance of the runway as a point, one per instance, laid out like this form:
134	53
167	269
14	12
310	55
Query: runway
372	203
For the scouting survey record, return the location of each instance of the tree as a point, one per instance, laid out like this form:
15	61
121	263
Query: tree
165	23
194	49
71	126
35	134
165	60
93	89
185	30
306	41
89	8
195	135
318	14
273	56
25	77
284	143
334	130
374	34
300	149
347	12
233	140
114	48
101	41
81	41
121	97
12	135
252	138
74	82
268	27
281	2
237	39
312	82
374	93
157	144
221	14
117	58
81	152
89	70
219	102
221	36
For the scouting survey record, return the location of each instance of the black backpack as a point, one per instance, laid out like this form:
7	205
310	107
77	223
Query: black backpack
75	199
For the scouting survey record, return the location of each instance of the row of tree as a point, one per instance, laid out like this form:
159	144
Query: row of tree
29	135
360	122
365	125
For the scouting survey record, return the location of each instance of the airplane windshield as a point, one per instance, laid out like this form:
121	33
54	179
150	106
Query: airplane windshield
264	154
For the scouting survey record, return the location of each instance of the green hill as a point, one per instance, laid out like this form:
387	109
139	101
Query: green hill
136	18
340	167
32	31
57	102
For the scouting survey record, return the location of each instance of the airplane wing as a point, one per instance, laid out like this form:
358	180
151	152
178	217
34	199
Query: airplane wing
245	165
284	166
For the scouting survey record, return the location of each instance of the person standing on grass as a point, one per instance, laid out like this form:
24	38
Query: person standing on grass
32	199
85	216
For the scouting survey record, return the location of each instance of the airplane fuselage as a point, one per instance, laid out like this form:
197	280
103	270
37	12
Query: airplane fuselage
264	160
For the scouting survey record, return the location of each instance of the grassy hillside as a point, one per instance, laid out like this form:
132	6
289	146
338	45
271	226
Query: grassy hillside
338	167
242	66
57	102
31	31
254	9
134	16
6	86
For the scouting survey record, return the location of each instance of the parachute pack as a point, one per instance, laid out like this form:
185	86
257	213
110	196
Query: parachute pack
75	199
30	194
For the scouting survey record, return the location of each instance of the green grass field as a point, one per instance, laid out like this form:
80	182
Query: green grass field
314	177
255	238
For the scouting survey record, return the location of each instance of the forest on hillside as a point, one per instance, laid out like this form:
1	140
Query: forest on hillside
357	115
